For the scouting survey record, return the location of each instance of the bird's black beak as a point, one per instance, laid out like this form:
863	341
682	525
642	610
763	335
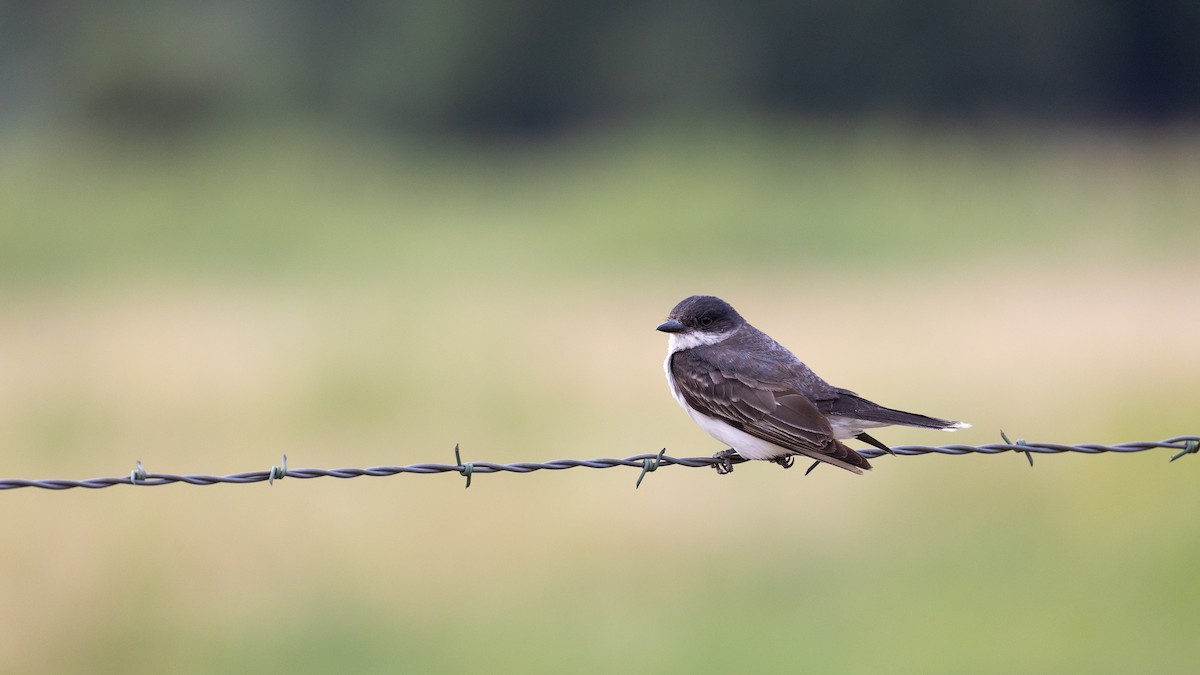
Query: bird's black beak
671	326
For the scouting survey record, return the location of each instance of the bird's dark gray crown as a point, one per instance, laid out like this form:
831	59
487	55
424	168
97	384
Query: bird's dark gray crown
706	313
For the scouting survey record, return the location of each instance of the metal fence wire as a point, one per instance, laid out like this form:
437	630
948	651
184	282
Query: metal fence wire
1183	445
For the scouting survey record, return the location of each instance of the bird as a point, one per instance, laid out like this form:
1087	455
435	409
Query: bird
748	391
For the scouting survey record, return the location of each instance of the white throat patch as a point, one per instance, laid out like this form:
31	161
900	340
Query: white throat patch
691	339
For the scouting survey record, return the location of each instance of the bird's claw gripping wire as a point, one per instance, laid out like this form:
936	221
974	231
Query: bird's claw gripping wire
786	461
724	459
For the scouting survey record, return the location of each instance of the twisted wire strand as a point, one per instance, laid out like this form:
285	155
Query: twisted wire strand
647	462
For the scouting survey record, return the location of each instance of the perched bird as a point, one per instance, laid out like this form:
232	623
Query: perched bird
750	392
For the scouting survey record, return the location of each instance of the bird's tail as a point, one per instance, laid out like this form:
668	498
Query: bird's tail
855	407
891	416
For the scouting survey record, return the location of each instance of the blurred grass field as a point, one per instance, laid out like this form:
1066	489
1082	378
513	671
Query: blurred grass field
209	305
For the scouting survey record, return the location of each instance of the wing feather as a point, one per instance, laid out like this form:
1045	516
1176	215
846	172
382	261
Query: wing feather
766	407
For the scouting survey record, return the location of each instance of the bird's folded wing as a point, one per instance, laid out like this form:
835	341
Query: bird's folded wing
770	412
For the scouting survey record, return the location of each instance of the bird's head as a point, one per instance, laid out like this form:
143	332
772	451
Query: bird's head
700	320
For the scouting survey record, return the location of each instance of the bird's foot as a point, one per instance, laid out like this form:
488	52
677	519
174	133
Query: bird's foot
725	465
786	461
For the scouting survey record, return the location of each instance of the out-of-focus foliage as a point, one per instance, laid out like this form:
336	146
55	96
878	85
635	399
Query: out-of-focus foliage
533	66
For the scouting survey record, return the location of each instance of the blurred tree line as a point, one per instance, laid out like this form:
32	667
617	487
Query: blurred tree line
530	67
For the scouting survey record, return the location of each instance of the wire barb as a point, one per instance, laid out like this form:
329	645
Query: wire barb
138	474
1182	445
1191	447
464	469
650	464
1020	442
278	472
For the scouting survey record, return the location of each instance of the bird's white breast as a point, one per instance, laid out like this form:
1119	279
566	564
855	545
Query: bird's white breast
750	447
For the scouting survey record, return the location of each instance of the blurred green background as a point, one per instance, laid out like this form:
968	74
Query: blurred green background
358	233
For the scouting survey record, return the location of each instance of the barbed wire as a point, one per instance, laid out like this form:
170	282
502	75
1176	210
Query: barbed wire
647	463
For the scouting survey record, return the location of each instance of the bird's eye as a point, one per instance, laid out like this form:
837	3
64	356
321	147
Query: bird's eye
706	321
